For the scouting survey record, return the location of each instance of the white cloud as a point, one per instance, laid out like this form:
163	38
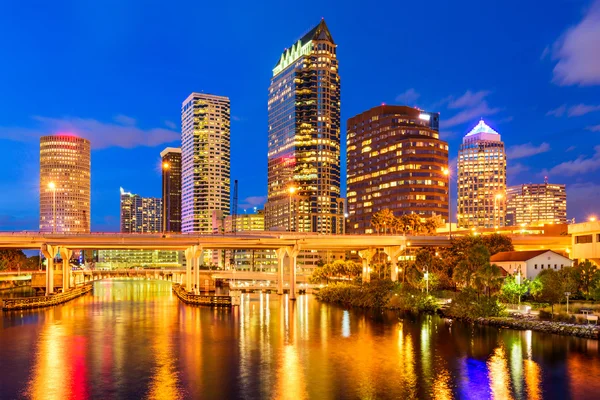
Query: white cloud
252	201
558	112
594	128
582	109
469	99
122	133
470	114
577	51
515	169
408	97
580	165
578	200
170	124
570	148
526	150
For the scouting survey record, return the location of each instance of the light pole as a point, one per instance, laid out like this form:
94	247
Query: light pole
427	279
567	294
519	283
166	167
291	191
497	197
52	186
447	173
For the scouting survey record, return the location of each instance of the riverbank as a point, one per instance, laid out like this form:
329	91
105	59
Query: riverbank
387	296
22	303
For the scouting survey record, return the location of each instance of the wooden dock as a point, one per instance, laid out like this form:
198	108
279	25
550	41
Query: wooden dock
201	299
22	303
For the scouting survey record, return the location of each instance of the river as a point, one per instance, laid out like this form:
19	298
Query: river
136	340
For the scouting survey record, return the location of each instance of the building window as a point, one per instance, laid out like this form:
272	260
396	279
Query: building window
542	266
535	266
554	266
583	239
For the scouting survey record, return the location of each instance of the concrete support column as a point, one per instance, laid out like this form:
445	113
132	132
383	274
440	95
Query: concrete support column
189	259
50	253
198	256
366	256
66	267
280	259
293	254
394	252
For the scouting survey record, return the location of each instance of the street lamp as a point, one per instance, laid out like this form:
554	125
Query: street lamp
52	186
447	173
291	191
166	167
497	197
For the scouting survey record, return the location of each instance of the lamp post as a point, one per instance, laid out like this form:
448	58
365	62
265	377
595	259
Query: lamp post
519	283
447	173
497	197
166	175
291	191
567	294
427	279
52	186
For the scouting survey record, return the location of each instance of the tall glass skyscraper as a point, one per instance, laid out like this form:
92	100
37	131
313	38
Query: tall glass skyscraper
171	189
65	184
396	161
205	161
481	179
304	138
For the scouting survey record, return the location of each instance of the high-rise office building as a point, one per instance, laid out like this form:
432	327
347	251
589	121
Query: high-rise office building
304	138
536	204
171	189
205	160
481	179
65	187
397	161
140	214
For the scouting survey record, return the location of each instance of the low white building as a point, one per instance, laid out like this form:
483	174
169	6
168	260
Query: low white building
530	263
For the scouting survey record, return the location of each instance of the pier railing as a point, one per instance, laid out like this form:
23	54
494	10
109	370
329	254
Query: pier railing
21	303
201	299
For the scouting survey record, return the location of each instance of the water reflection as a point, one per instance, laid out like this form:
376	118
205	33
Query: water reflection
134	339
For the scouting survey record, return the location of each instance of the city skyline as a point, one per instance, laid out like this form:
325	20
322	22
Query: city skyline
549	126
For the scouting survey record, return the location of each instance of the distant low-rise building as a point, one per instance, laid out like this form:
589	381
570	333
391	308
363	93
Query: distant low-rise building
530	263
536	204
585	241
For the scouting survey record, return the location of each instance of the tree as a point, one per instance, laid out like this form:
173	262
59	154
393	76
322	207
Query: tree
497	243
383	220
547	287
11	259
431	224
588	275
489	277
512	290
476	257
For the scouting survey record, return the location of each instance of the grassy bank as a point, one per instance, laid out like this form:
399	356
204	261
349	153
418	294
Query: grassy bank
378	294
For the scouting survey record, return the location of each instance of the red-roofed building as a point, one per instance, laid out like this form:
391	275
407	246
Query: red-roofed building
530	263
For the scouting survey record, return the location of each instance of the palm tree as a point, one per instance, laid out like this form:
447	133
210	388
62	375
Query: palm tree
489	277
476	257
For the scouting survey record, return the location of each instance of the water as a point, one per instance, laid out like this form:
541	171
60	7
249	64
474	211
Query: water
21	291
134	340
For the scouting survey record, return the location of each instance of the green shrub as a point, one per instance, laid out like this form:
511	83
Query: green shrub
545	315
469	305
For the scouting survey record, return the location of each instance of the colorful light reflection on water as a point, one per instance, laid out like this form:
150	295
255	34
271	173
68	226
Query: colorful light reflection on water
134	339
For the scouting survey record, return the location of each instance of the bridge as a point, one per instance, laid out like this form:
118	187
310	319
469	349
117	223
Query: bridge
285	244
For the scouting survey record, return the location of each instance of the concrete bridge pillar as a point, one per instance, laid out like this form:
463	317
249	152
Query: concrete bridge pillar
198	261
293	254
50	252
189	257
394	252
366	256
66	267
280	259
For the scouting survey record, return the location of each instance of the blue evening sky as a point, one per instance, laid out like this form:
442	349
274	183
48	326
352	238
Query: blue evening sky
117	72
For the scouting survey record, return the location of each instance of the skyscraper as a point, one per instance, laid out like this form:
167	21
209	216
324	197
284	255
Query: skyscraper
304	138
171	189
481	179
397	161
205	160
536	204
140	214
65	163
